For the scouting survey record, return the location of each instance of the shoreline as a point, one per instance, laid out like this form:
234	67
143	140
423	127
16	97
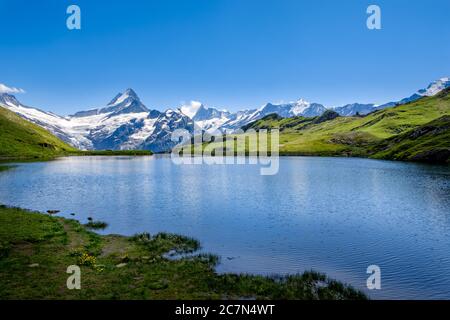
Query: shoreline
5	161
33	262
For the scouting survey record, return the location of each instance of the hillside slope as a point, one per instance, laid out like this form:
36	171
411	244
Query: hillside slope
430	143
371	135
20	139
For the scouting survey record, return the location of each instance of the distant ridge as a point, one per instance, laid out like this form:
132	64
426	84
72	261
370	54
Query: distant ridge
125	123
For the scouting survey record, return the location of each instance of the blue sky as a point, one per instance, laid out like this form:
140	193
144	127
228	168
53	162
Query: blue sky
226	53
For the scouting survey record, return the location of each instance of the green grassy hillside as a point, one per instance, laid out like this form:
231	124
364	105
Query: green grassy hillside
371	135
21	139
429	142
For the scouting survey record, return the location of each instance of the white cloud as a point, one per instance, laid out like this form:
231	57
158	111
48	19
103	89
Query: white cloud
6	89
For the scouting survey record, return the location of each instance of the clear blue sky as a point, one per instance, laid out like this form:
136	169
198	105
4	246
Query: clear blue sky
225	53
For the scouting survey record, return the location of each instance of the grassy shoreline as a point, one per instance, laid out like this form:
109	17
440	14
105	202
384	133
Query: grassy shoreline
112	153
4	167
36	249
78	153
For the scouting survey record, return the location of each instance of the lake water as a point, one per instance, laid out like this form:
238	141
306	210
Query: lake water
332	215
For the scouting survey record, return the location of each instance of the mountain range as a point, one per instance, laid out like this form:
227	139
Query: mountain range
414	131
125	123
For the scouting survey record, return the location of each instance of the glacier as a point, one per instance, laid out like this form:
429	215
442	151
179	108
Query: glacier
125	123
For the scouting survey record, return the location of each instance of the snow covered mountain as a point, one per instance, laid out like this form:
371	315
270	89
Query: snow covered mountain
292	109
168	121
213	120
127	102
126	123
355	108
433	88
59	126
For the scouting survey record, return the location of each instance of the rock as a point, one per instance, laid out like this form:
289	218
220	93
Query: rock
34	265
121	265
326	116
52	211
158	284
72	214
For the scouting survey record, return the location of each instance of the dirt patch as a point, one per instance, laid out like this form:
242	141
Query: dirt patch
24	248
76	239
115	244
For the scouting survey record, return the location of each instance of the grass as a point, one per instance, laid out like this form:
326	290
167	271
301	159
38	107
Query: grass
36	249
365	136
4	168
112	153
429	142
327	135
96	225
23	140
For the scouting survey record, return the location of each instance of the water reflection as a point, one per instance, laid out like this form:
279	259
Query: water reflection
330	214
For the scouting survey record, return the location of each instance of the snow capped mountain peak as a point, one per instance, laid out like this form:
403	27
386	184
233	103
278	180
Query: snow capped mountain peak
435	87
127	102
121	97
190	109
131	92
9	99
206	118
205	113
126	123
302	101
355	108
299	106
170	112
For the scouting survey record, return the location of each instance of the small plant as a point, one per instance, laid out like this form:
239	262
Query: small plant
125	259
4	168
99	268
210	259
180	244
76	252
87	260
96	225
141	237
4	249
162	243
